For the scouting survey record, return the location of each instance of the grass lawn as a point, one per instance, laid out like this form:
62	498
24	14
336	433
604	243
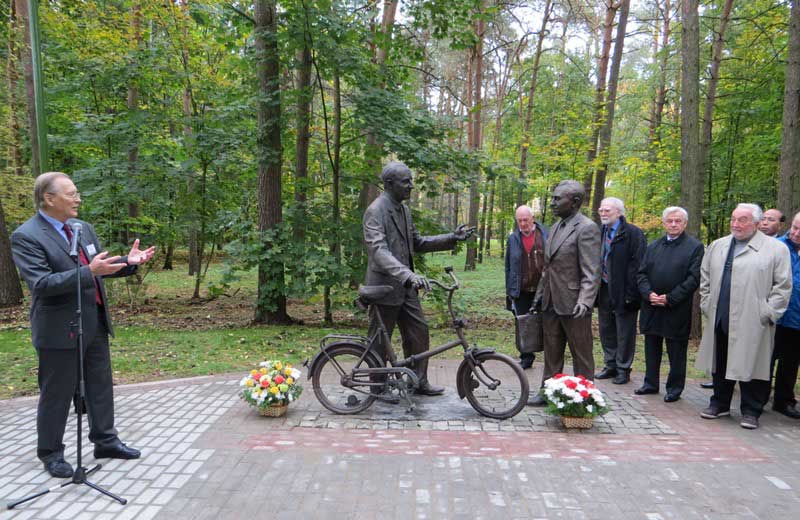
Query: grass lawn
167	335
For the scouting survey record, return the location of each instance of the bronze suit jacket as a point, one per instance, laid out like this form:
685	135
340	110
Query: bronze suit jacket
571	265
392	240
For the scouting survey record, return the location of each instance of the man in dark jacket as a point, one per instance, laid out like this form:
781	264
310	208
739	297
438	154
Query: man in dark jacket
668	277
787	333
622	248
524	265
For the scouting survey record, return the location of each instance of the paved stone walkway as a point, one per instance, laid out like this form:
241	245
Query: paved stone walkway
206	455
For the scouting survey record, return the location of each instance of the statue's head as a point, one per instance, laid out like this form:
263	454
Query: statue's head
397	181
567	198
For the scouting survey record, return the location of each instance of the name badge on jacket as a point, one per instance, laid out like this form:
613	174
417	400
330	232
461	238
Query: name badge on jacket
91	250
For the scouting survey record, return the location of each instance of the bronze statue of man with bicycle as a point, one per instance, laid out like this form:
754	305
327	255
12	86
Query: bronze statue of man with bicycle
350	372
392	240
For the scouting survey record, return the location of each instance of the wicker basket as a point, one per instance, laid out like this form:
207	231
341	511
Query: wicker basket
582	423
273	410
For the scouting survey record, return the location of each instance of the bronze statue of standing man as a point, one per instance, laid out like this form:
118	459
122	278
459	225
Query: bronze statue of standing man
392	240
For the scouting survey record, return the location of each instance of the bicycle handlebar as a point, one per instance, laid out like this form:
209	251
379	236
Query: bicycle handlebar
448	270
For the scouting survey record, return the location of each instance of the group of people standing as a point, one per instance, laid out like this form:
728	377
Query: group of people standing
749	288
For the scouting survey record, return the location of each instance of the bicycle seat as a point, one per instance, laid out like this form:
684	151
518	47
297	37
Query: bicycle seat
369	294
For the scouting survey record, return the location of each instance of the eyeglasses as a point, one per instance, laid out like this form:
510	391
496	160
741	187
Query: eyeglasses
75	195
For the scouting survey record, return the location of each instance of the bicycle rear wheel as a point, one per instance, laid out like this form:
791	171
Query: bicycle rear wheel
331	371
497	387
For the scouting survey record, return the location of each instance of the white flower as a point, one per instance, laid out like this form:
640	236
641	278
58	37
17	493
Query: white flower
559	405
265	364
243	382
295	374
254	394
589	408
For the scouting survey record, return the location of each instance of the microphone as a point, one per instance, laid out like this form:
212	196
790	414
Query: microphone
77	227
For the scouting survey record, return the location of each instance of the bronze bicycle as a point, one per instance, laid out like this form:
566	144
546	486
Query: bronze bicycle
348	374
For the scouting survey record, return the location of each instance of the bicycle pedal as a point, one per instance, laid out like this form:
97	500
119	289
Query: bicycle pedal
352	400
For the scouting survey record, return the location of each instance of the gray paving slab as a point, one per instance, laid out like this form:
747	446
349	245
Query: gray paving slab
207	455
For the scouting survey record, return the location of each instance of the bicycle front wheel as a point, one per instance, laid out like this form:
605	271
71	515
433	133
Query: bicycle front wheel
334	384
496	387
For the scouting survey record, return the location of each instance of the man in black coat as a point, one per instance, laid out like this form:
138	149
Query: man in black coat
41	249
622	246
524	267
668	278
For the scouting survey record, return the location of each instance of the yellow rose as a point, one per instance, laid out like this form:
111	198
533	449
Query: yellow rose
254	372
273	390
264	370
287	371
290	381
279	366
249	382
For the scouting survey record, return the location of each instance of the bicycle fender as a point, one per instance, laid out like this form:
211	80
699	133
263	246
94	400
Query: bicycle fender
319	356
464	369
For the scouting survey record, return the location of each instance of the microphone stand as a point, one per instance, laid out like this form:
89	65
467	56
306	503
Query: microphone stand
81	473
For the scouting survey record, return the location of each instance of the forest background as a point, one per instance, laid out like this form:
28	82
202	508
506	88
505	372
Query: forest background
245	139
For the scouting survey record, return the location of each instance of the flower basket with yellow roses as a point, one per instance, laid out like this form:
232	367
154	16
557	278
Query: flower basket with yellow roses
271	387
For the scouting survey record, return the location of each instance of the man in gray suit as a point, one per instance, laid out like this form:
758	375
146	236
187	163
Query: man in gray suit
569	285
41	248
392	240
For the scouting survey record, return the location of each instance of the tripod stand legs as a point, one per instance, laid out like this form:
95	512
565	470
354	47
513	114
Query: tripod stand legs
78	478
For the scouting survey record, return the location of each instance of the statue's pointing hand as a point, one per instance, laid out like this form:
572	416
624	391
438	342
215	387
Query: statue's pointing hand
463	232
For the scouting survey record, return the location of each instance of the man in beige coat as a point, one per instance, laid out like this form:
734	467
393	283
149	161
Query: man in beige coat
745	286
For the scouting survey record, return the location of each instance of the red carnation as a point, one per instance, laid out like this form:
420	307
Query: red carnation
559	376
572	385
584	394
279	379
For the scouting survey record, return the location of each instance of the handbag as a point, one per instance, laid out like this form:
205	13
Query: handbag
530	334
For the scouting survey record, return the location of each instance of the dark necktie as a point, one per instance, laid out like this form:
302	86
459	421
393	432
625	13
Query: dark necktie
84	261
606	251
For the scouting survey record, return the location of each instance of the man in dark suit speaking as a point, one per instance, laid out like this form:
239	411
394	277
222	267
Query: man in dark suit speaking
41	248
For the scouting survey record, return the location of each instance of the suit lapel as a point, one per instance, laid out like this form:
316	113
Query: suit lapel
54	235
564	231
400	228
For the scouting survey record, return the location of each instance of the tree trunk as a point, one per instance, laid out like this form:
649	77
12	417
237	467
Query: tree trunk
335	247
188	144
271	302
608	123
477	133
789	185
691	181
14	124
527	123
599	94
133	106
10	289
30	88
654	134
373	152
305	94
704	162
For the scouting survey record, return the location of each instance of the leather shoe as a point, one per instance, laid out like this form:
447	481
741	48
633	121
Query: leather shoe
525	363
58	468
645	390
425	388
536	400
621	378
709	384
116	451
606	373
788	411
671	398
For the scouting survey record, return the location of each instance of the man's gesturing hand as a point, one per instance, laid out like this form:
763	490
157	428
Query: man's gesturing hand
137	256
463	232
103	265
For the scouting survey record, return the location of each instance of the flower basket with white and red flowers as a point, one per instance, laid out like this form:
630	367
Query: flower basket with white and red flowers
271	387
575	399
